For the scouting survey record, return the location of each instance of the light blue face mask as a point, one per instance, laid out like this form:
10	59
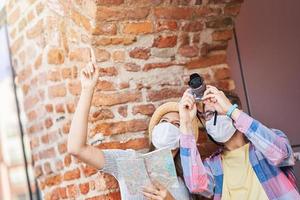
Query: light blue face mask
222	131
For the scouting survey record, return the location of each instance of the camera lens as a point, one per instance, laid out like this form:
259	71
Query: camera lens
195	81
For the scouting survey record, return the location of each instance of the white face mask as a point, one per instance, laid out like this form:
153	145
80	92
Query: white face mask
165	135
223	130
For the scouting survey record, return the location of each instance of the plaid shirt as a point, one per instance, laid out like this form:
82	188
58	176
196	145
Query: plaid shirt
270	155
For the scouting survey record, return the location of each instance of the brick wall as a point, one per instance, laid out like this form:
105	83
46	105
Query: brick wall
145	50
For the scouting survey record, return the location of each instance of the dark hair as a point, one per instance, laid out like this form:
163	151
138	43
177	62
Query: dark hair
179	170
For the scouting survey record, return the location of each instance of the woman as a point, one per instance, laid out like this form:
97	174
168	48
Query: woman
163	129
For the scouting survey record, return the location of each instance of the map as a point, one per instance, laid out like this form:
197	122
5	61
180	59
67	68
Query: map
138	172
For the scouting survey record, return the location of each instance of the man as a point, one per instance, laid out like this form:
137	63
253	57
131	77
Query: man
254	162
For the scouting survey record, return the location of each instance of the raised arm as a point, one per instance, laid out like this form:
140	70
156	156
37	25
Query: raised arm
197	174
78	132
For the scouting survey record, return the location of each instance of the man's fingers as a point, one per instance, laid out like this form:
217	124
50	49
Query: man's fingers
93	57
208	97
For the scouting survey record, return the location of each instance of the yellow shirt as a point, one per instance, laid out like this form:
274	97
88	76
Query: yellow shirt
240	181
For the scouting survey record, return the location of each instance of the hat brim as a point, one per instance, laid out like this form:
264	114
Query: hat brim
164	109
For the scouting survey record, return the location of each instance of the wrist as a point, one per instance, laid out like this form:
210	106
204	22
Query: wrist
87	90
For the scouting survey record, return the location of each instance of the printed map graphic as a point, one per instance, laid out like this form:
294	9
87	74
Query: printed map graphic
138	172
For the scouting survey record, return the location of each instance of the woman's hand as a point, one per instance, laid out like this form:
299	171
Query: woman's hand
90	74
156	191
187	107
216	99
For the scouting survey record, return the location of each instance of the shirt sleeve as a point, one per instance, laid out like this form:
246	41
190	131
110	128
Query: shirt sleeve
272	143
110	160
197	174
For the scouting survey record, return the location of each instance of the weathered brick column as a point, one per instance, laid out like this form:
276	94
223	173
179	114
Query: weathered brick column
145	50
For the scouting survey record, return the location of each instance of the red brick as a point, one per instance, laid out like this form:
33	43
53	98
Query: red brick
204	11
53	180
49	108
138	28
193	26
101	99
38	61
121	127
48	123
221	73
14	16
189	51
173	13
151	66
66	128
220	22
232	10
47	168
74	88
89	170
169	25
118	14
132	67
57	91
124	85
38	171
108	71
69	73
105	29
109	196
101	114
70	107
147	109
222	35
48	153
122	110
30	102
118	56
84	188
62	147
39	8
34	142
54	75
35	128
31	115
166	93
36	30
56	56
140	53
16	45
80	55
207	61
105	86
102	55
72	175
22	24
72	191
165	41
67	160
59	108
104	41
110	2
140	143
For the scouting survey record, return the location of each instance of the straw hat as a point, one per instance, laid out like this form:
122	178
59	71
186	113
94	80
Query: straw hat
164	109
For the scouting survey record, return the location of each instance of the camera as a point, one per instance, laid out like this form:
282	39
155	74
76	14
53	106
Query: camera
197	86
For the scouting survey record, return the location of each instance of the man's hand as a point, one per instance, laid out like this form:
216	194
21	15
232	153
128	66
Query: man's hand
216	99
90	74
156	191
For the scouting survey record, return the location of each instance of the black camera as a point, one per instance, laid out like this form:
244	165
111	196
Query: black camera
197	86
